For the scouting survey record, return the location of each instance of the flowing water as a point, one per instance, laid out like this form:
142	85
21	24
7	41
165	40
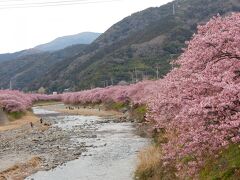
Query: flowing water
111	149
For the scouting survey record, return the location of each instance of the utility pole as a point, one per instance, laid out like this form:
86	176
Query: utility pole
135	74
10	85
143	77
132	77
112	81
174	12
157	71
172	60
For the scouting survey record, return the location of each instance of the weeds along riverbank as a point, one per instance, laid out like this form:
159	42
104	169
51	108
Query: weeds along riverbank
225	164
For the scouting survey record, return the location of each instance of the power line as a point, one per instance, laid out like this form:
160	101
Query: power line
44	3
49	4
36	2
1	1
54	3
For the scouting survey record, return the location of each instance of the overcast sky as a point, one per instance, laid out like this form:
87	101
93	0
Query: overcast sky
23	28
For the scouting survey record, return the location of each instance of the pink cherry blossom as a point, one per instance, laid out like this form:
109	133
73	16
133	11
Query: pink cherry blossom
197	103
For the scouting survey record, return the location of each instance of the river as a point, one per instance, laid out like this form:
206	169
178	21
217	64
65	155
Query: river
111	148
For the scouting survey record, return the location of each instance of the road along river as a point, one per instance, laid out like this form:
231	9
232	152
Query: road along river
103	148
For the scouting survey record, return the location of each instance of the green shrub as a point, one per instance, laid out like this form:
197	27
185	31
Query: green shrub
15	115
139	112
117	106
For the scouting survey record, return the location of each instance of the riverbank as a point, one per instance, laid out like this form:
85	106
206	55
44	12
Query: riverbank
18	123
25	150
80	110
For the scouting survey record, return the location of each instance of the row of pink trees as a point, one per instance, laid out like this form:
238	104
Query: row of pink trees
16	101
135	93
197	103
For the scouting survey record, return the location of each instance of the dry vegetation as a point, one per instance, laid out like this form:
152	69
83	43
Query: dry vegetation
150	166
20	171
23	120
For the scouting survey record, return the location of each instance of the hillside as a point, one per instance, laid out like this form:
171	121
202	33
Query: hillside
31	67
11	56
131	49
63	42
143	40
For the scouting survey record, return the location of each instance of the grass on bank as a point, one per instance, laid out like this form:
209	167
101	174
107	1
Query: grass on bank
15	115
46	103
139	112
150	166
224	167
116	106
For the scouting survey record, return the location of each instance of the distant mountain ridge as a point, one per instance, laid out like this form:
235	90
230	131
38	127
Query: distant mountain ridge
65	41
55	45
131	49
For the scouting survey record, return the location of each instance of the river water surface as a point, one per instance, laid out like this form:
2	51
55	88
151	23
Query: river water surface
111	149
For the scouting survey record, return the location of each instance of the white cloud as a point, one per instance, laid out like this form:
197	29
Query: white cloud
28	27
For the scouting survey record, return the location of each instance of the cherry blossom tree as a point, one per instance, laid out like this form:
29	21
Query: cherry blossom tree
16	101
198	103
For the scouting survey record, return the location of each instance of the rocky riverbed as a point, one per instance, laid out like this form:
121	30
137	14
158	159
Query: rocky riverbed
104	149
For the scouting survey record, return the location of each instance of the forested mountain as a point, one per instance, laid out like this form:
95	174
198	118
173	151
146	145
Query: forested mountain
29	68
16	55
26	66
132	48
